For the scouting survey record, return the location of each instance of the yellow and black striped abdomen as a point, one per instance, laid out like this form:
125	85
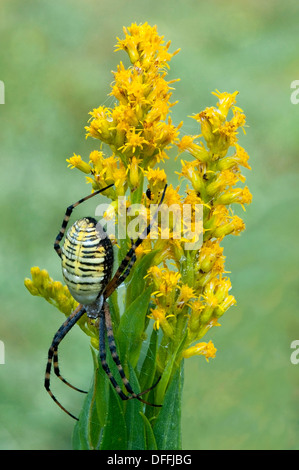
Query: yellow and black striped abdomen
87	260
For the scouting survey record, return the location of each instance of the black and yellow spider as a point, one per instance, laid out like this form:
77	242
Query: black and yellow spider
87	262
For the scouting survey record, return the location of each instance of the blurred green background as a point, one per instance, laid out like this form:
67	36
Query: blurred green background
56	59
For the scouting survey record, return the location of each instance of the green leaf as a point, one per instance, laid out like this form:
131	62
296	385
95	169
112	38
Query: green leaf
171	366
149	434
76	441
165	379
87	429
114	432
148	368
131	328
102	389
167	429
137	283
134	421
136	194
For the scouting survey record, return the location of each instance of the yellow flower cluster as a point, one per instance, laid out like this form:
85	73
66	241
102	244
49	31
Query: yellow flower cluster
138	129
58	295
190	287
54	292
197	294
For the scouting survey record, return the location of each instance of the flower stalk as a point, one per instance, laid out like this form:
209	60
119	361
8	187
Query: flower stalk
174	295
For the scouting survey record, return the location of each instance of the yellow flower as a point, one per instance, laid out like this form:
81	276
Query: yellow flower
216	299
108	171
156	274
135	141
124	118
100	125
160	317
54	292
194	324
144	248
130	90
186	293
58	295
208	255
230	225
218	133
191	171
201	349
97	159
133	168
158	112
228	131
168	133
157	178
236	195
228	302
172	196
142	43
223	180
240	157
76	162
198	151
226	101
165	280
210	120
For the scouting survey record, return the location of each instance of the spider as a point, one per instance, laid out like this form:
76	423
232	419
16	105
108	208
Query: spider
87	262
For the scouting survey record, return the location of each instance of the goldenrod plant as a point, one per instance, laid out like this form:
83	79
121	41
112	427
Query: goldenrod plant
178	288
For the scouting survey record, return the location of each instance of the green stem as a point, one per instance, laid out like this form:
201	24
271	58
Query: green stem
136	196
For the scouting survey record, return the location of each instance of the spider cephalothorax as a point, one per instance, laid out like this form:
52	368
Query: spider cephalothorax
87	262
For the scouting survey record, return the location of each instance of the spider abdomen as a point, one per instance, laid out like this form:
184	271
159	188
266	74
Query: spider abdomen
87	260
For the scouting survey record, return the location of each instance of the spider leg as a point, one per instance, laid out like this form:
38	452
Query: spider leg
127	262
127	271
102	329
113	351
107	323
63	330
67	215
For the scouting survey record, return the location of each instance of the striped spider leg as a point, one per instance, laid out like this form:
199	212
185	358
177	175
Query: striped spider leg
87	262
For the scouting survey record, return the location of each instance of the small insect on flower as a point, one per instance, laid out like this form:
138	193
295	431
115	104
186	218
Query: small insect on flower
87	262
